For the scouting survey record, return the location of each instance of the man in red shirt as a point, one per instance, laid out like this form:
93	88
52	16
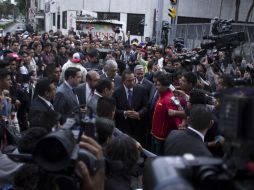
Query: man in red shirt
163	123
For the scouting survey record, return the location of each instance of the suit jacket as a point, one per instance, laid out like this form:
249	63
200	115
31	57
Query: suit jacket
147	85
139	103
152	99
93	103
117	80
180	142
39	105
81	93
149	76
65	101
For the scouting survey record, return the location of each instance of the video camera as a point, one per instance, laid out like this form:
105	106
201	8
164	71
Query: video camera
234	172
179	44
223	38
58	153
192	58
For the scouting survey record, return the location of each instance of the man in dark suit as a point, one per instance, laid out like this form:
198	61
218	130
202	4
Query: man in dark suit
41	106
131	107
191	140
111	72
139	73
66	100
46	92
104	88
85	91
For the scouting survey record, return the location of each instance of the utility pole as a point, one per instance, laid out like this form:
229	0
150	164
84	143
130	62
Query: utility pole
159	15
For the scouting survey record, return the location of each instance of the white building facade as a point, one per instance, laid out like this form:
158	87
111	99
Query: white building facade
140	15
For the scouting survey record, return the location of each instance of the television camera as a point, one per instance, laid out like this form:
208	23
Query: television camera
58	153
223	38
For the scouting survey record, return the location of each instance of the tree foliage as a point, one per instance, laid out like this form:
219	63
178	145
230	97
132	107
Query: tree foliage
6	9
23	6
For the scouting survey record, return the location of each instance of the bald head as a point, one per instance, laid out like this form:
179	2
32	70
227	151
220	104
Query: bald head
92	78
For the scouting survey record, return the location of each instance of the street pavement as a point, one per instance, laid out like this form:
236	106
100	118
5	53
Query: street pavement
14	27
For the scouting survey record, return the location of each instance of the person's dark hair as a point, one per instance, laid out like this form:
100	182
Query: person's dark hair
126	72
165	79
197	97
14	41
4	63
70	72
4	73
51	68
43	86
9	59
156	74
104	128
200	117
227	80
159	50
127	46
105	107
121	66
102	84
36	44
24	53
123	149
93	53
30	138
191	78
43	119
61	45
238	59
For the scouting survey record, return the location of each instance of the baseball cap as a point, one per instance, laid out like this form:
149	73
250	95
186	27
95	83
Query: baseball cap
76	58
14	55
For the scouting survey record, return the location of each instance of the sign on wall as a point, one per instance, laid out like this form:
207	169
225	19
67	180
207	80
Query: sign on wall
98	29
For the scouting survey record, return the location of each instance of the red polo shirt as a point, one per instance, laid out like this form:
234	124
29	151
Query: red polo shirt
162	123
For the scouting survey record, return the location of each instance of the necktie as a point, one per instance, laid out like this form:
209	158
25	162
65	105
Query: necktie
129	97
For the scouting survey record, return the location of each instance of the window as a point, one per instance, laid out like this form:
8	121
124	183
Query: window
54	19
135	24
186	20
64	21
108	16
58	21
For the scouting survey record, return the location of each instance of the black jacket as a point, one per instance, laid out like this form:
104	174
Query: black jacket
180	142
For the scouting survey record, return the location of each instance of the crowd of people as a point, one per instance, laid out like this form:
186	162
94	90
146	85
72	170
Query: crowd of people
141	94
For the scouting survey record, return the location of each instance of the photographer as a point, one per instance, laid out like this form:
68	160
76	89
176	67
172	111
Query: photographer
122	155
89	182
31	177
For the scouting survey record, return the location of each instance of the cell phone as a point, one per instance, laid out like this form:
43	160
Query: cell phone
175	100
172	88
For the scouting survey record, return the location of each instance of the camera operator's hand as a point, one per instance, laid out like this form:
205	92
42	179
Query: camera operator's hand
95	182
83	110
